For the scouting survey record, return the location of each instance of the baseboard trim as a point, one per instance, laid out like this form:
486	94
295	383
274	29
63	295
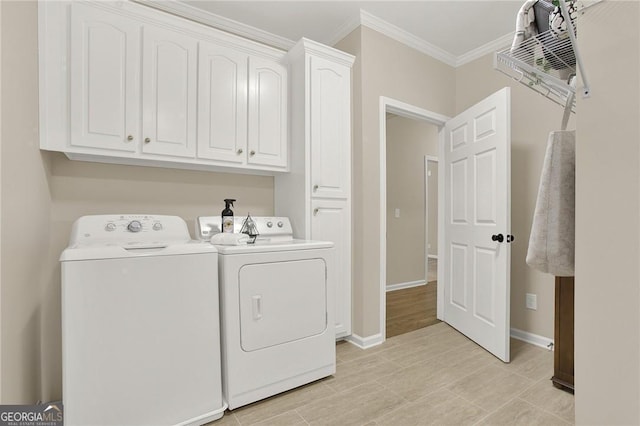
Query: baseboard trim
365	342
408	284
534	339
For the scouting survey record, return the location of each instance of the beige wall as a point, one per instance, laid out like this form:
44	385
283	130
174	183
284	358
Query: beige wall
532	118
391	69
387	68
26	205
607	294
43	193
408	141
0	206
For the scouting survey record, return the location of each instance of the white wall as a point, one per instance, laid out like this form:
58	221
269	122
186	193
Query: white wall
607	292
43	193
432	214
408	141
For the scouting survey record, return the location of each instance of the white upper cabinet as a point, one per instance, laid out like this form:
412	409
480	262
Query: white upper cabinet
268	133
169	88
104	80
222	104
330	105
125	83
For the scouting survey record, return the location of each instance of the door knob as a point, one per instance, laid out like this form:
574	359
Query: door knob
130	138
252	153
499	238
147	140
510	238
239	151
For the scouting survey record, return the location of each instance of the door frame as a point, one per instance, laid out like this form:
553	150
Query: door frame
394	106
427	210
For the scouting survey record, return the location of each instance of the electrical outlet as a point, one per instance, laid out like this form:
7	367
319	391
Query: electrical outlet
531	301
397	213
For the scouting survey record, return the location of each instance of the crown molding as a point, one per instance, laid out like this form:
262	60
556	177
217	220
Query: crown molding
485	49
364	18
344	30
220	22
306	45
371	21
405	37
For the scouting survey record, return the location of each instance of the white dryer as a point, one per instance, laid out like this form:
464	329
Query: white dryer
276	301
140	324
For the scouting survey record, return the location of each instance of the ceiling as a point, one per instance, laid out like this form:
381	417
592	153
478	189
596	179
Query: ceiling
456	27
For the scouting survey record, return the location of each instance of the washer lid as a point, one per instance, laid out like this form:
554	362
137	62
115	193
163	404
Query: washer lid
134	249
262	246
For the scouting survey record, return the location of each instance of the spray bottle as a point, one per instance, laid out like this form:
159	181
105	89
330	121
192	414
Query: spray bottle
227	216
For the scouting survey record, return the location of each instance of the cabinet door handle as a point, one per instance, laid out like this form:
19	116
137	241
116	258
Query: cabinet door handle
147	140
252	153
315	188
130	138
315	212
239	151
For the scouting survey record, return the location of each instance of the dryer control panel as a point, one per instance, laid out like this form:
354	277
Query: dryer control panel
127	228
273	228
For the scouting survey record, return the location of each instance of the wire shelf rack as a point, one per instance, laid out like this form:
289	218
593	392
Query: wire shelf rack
546	63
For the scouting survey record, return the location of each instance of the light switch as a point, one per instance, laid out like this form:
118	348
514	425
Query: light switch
531	301
397	213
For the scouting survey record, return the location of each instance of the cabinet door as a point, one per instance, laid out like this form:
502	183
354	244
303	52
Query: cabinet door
330	116
331	221
104	79
222	104
267	113
169	72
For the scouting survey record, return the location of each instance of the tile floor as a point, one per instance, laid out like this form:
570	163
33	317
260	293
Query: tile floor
431	376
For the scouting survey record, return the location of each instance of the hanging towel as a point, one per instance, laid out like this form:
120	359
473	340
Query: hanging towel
552	239
229	239
525	24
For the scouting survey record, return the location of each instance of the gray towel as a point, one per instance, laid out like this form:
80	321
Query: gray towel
552	240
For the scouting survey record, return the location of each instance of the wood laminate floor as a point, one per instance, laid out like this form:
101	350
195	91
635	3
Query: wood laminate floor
411	309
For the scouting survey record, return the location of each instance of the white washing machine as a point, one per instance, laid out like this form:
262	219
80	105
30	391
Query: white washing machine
276	301
140	324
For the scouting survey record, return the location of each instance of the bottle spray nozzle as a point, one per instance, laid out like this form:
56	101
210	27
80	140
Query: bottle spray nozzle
228	201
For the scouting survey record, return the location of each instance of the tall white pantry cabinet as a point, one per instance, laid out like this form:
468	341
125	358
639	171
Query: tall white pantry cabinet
316	194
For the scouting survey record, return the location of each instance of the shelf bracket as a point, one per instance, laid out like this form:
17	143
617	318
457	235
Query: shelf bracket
574	42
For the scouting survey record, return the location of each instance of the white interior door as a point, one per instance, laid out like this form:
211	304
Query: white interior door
477	218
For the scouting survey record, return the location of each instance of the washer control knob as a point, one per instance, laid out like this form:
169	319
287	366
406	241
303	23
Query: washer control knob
269	224
110	227
134	226
157	226
280	224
